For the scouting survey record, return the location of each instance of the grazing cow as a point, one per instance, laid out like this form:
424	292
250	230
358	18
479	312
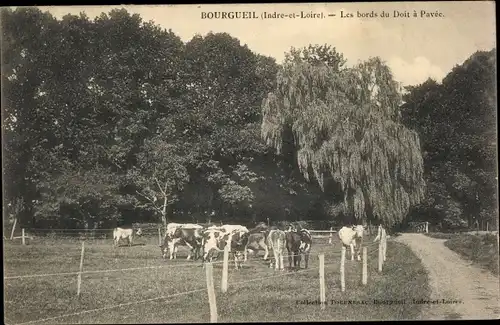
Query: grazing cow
305	245
189	235
239	241
277	241
231	229
352	237
215	240
382	235
124	233
293	242
212	243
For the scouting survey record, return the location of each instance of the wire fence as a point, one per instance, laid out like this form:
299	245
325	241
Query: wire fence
372	247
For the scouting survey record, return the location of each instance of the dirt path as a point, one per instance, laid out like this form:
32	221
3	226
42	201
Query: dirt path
453	278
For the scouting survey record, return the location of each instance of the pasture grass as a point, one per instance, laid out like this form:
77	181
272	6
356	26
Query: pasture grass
255	293
481	249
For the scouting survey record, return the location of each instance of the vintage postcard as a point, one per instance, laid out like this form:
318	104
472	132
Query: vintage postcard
250	163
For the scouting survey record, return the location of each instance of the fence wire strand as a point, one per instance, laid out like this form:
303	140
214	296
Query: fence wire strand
162	297
114	306
172	295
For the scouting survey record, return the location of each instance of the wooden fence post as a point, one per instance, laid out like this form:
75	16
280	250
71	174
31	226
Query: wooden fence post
385	245
211	292
364	278
331	236
13	228
322	294
22	237
380	255
79	279
342	269
427	226
225	266
487	224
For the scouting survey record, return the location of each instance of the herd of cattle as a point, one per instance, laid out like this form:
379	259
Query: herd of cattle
206	243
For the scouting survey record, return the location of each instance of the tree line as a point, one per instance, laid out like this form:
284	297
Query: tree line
114	120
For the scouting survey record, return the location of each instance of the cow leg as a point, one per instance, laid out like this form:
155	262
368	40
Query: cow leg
290	260
276	259
266	250
171	249
176	248
306	258
245	254
190	252
130	241
352	252
205	256
282	267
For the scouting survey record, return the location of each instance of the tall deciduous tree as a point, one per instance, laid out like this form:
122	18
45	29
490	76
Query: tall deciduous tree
344	128
456	121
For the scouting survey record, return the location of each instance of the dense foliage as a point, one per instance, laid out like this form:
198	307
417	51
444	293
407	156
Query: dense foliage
114	120
457	123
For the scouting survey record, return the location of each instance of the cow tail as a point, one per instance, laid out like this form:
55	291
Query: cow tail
279	249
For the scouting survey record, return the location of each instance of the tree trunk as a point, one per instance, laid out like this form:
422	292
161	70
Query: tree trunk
164	213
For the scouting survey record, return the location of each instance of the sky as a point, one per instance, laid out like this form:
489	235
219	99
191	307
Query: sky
415	48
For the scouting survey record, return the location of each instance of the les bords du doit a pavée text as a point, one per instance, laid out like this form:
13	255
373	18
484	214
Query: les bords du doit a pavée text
319	15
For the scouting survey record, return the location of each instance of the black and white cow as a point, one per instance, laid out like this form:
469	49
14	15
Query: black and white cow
298	242
216	239
177	234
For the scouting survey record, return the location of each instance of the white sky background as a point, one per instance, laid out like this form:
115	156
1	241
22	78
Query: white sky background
414	48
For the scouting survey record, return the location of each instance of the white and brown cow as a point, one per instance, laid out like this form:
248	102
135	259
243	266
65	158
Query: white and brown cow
352	237
124	233
276	240
233	229
187	234
216	239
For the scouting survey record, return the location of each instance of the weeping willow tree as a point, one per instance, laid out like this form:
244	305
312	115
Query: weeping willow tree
345	129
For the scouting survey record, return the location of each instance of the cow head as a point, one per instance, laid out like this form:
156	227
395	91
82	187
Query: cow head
359	229
138	232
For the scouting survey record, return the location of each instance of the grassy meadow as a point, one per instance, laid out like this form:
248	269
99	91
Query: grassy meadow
255	293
